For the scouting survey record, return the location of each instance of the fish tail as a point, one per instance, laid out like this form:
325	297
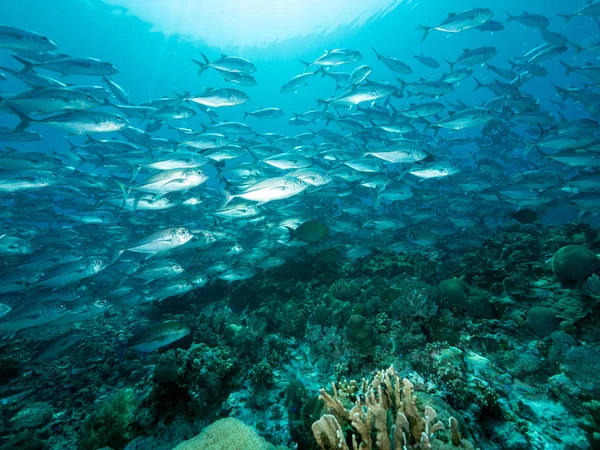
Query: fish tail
25	119
578	49
27	66
478	84
227	199
402	86
425	30
321	102
567	17
246	114
543	131
135	170
568	68
125	189
510	18
90	139
451	65
202	66
306	64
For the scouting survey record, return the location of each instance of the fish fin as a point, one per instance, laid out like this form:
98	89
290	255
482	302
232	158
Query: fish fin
27	66
478	84
376	54
292	234
509	17
25	119
246	114
425	30
568	68
451	64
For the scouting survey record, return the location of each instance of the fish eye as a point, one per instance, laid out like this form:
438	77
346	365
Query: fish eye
120	119
44	38
97	262
89	97
54	174
60	307
101	302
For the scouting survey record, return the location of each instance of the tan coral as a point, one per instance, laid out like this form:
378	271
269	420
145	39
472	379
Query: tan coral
385	394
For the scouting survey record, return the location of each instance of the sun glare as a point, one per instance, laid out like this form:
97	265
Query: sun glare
243	23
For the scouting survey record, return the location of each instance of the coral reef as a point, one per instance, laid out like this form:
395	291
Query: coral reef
492	339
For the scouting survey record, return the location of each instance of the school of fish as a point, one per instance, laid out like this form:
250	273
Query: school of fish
135	209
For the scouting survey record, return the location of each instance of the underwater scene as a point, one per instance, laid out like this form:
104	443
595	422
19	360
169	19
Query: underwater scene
299	225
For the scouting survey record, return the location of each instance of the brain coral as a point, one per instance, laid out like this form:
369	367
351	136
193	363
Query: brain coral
226	434
574	263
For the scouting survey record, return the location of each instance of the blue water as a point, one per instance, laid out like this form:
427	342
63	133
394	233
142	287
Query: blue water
155	60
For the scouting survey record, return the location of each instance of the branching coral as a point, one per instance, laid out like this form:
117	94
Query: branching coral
384	415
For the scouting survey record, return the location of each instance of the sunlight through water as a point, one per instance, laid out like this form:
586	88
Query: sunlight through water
242	23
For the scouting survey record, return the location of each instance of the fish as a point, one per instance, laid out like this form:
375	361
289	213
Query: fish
225	63
427	61
73	272
336	57
268	190
458	22
311	232
116	90
54	348
435	170
76	122
474	57
265	113
530	20
590	9
161	241
51	100
525	216
393	64
31	315
296	82
238	274
72	66
359	75
14	38
156	336
219	97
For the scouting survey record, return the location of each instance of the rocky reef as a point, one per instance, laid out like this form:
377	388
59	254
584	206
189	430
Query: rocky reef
495	346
